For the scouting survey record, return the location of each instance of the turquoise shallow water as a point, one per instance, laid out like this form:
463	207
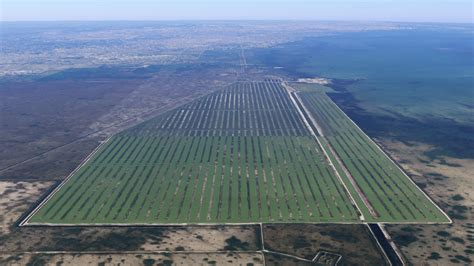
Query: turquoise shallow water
418	73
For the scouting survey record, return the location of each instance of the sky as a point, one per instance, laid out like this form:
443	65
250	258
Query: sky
365	10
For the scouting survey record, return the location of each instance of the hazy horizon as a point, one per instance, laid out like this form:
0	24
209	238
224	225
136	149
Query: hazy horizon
234	20
437	11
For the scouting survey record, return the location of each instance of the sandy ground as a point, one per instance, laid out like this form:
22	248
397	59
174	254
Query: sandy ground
448	181
459	171
135	259
202	239
15	199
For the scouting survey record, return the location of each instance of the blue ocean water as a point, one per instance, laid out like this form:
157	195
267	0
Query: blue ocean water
421	73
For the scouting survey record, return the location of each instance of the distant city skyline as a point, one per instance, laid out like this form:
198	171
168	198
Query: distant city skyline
455	11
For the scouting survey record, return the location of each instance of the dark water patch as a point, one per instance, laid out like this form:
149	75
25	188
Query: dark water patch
458	240
434	256
410	229
233	243
422	185
149	262
423	161
457	197
448	137
443	233
463	258
385	244
340	85
460	208
435	176
168	262
444	162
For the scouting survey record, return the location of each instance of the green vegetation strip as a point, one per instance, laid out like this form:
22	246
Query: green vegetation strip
242	155
393	196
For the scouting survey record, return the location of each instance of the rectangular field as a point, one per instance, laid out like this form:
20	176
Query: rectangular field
250	153
381	189
242	155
